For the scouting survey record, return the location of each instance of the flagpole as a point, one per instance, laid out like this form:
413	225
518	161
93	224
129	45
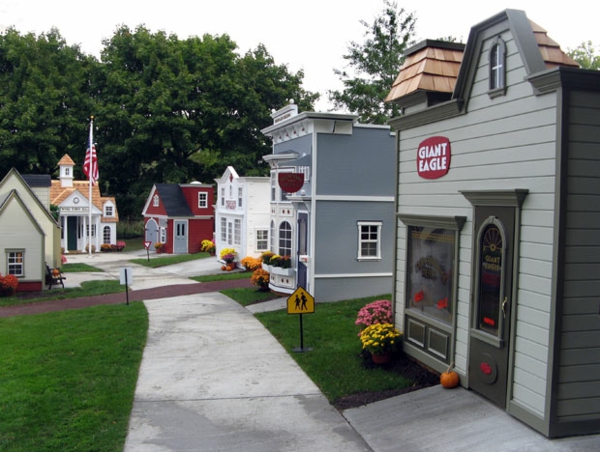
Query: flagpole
91	143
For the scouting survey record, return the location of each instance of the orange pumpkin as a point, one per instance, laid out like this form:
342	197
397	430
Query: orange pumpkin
223	267
449	379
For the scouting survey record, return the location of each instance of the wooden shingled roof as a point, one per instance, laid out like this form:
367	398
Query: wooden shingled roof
431	68
58	194
434	65
550	49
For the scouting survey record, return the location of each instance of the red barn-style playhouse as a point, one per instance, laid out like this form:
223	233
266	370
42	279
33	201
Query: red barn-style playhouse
179	216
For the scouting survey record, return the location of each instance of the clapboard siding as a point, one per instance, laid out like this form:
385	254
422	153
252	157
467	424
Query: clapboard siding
493	148
588	305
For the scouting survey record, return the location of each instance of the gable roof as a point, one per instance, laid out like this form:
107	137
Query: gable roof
173	200
442	67
14	194
13	173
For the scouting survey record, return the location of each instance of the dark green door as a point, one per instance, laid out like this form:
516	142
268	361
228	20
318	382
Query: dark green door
72	233
490	327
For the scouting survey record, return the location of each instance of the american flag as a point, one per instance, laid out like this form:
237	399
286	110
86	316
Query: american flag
90	165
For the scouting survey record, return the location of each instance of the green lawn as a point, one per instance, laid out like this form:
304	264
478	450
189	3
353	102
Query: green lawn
68	378
156	262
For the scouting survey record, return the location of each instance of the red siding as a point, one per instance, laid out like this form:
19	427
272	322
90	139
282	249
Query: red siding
198	231
29	286
191	195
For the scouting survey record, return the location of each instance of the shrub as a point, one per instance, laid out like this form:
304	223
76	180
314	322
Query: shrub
8	285
207	246
380	338
266	257
226	251
260	278
379	311
251	263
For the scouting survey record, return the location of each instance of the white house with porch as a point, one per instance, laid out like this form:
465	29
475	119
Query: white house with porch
72	198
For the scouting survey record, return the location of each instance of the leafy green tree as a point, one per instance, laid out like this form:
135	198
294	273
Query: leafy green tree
44	101
586	56
176	111
166	110
374	65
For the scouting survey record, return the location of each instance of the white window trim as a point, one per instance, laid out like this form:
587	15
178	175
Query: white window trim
202	200
155	201
379	225
21	264
261	239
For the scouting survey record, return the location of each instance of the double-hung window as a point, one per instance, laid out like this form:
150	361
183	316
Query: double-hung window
369	240
15	260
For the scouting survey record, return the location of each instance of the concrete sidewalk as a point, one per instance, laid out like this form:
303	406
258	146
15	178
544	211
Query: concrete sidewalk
213	379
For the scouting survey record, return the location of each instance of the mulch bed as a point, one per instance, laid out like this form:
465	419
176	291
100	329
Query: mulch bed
421	376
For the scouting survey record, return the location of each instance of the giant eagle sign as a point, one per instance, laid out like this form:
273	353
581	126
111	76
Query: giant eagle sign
433	157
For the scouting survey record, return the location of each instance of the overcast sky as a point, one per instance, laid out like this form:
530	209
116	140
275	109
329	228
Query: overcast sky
312	35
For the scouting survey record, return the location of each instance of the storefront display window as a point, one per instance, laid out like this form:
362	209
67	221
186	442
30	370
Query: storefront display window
430	271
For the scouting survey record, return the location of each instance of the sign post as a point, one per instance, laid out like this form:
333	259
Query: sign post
301	302
126	277
147	246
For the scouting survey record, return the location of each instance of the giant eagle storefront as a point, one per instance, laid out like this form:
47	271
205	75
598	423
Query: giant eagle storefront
498	220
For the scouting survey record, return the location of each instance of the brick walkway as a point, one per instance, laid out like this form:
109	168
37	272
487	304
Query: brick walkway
118	298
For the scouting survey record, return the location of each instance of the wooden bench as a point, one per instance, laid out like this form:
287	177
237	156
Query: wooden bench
54	278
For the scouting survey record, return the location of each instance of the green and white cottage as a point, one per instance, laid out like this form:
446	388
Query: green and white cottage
498	220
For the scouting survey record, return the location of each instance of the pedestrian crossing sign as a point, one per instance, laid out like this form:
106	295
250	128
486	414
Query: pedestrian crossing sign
300	302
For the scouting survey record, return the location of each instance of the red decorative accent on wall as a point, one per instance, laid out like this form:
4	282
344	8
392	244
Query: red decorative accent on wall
485	368
419	296
290	182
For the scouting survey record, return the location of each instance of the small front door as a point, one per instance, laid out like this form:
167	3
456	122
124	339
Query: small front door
72	231
181	237
490	326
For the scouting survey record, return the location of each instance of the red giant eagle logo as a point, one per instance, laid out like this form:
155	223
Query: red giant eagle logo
433	157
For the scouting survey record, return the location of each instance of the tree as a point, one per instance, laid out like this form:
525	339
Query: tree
586	56
176	111
374	66
44	101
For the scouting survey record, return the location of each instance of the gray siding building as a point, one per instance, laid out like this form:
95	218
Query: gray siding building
498	220
337	223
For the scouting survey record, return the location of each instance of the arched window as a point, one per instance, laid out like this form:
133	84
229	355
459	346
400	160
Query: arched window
106	234
497	65
285	239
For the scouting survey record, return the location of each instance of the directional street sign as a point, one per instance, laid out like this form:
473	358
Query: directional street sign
300	302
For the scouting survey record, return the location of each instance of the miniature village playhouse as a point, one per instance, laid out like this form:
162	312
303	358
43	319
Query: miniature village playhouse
498	220
331	204
242	214
179	216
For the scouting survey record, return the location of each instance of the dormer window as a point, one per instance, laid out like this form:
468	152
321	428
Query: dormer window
497	66
108	210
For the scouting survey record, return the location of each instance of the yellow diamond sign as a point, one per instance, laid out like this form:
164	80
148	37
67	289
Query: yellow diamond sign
300	302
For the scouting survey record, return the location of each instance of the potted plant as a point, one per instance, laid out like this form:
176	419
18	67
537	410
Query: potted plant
208	246
228	256
120	245
261	278
380	340
105	247
159	247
